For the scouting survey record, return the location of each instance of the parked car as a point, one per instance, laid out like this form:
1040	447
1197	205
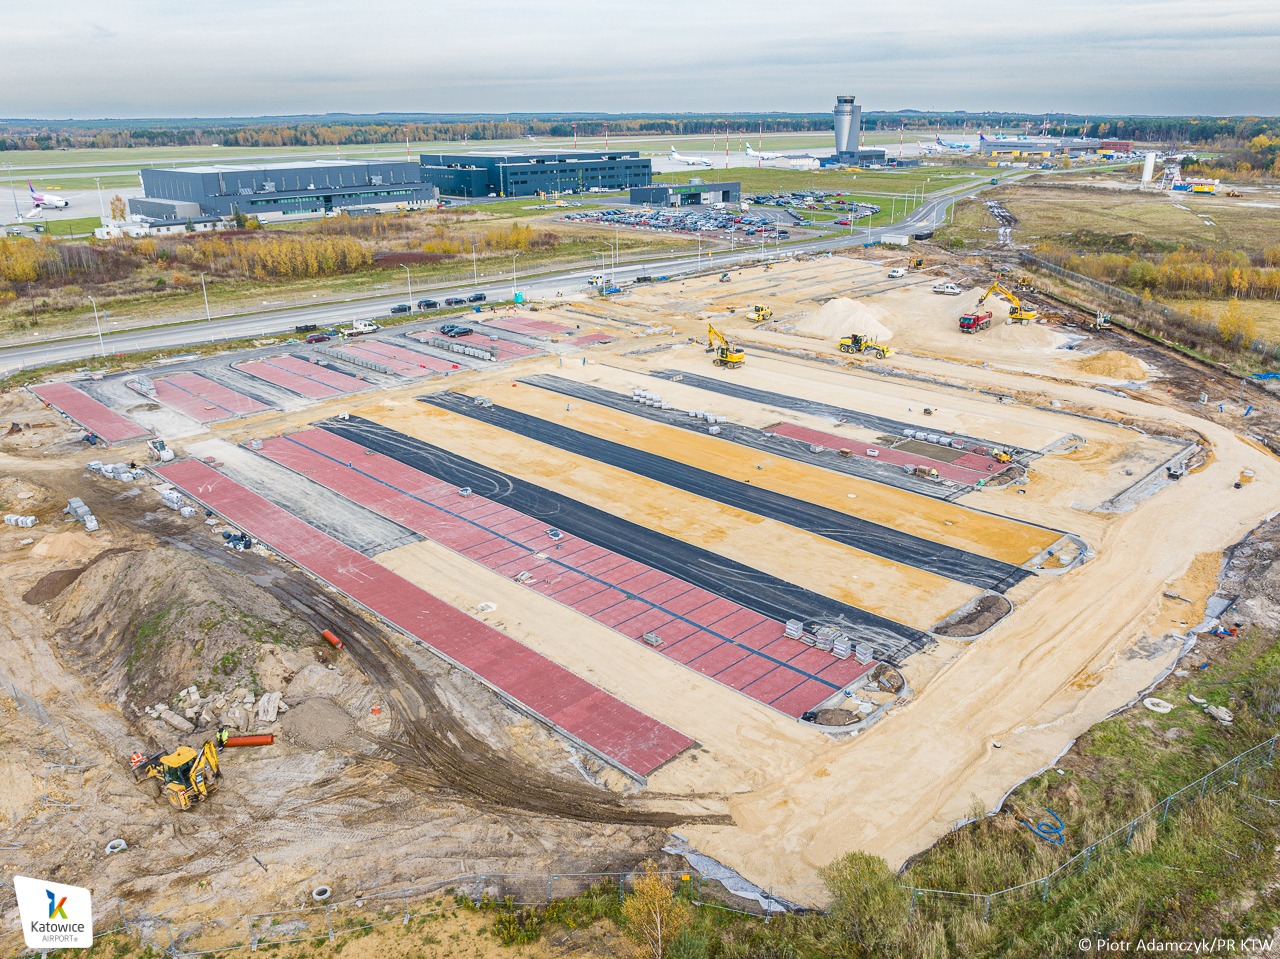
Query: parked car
428	305
897	273
476	298
455	301
453	332
318	337
400	308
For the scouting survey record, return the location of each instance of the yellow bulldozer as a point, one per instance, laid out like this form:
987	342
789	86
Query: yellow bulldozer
187	776
857	343
729	355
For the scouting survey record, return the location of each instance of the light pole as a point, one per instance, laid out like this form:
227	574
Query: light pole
408	280
16	211
101	349
204	290
101	209
475	277
513	276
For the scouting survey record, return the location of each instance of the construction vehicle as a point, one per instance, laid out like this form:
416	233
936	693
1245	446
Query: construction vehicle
187	776
947	289
1101	321
857	343
915	263
1025	285
729	355
724	277
1001	456
158	451
1016	311
760	314
975	322
1235	193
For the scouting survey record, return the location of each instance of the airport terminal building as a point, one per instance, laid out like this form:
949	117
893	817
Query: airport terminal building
534	173
281	190
694	193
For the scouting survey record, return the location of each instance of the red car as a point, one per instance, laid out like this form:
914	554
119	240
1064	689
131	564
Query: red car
318	338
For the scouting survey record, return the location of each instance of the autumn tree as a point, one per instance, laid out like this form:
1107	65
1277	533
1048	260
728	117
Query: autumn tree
654	916
1237	327
869	910
118	208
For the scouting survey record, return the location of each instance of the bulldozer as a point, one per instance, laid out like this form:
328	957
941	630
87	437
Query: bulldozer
857	343
761	314
187	776
729	355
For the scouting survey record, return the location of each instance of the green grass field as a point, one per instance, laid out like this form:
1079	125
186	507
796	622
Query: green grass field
870	183
70	226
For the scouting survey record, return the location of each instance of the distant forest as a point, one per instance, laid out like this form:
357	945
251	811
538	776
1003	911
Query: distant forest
341	129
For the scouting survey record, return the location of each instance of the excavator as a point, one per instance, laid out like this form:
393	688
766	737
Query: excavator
1016	311
728	355
915	263
1026	285
857	343
186	776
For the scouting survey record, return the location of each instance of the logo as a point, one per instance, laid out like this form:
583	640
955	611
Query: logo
54	916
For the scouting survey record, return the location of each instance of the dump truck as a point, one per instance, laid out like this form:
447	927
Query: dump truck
975	322
857	343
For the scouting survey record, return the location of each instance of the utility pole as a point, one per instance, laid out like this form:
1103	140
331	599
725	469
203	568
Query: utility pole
205	291
475	277
101	209
513	276
409	282
101	349
16	211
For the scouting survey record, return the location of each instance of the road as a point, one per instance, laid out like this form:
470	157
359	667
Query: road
931	214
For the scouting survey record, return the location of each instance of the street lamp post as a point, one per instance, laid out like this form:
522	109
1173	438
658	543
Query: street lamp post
475	277
101	348
204	290
409	281
101	209
513	276
16	211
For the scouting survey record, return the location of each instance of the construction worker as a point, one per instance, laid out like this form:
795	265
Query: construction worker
224	733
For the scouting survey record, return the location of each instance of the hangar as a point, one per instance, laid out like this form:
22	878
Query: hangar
534	173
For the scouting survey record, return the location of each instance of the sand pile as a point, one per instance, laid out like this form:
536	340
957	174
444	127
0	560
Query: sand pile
1113	364
316	724
844	317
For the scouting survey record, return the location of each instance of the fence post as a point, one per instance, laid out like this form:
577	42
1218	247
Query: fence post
1088	852
1204	785
1129	837
1165	814
406	908
1045	895
1271	750
328	921
986	912
253	935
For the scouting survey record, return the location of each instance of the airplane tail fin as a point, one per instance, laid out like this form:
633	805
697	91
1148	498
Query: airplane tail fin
982	138
31	188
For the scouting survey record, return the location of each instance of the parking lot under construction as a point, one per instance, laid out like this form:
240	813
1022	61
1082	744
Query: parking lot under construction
833	598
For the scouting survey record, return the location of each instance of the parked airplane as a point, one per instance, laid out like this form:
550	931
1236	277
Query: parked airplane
777	156
45	201
952	146
692	161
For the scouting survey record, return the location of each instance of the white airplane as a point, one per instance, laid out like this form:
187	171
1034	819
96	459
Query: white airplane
952	146
692	161
45	201
777	156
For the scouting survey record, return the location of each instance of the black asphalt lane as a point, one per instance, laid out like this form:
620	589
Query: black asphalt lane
836	413
755	590
892	544
861	467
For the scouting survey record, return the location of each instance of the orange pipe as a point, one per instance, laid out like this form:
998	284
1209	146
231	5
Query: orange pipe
265	739
334	641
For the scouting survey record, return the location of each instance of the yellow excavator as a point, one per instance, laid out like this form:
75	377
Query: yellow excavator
857	343
915	263
761	313
728	355
1016	311
187	776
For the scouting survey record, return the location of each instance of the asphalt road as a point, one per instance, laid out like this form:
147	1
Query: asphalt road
274	322
892	544
748	587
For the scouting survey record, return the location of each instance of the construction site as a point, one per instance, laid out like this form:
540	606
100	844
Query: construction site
788	561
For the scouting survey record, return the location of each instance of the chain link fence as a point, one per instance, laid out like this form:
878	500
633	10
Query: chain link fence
1201	334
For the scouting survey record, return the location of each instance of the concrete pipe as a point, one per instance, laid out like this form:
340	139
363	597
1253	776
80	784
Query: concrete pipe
332	639
321	893
116	845
263	739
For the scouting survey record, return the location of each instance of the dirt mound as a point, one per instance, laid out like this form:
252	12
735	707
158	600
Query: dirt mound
1113	364
144	624
844	317
315	724
51	585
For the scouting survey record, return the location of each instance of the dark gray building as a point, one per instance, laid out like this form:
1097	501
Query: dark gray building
275	191
531	174
687	194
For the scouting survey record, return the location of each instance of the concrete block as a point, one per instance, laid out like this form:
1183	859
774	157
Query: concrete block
177	722
268	707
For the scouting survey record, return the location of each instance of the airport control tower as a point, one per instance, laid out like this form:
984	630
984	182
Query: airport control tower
848	123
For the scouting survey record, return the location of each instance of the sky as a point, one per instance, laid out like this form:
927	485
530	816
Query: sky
146	58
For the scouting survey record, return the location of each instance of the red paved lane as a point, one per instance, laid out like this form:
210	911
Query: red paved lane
607	725
527	326
298	376
704	631
966	469
98	419
203	399
506	350
590	339
408	363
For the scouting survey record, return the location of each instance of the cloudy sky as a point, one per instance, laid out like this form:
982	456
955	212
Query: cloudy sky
139	58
